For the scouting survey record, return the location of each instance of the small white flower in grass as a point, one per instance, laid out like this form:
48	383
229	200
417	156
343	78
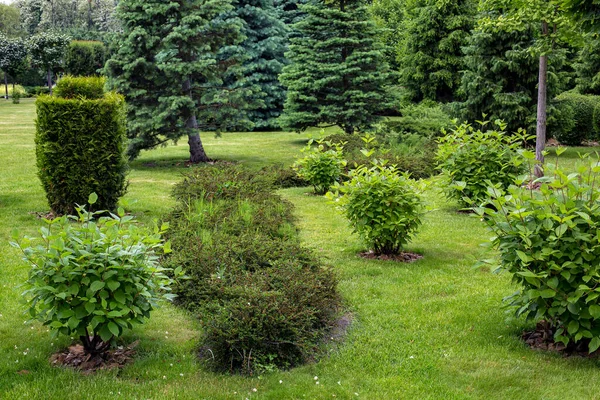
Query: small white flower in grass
356	394
254	389
24	353
316	378
171	364
280	381
16	347
166	337
411	357
317	382
164	377
340	383
166	332
180	374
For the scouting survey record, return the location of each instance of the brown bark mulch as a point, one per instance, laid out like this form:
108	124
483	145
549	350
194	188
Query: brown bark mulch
404	257
75	357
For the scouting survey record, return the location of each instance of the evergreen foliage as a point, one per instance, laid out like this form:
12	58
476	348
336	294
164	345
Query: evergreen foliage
337	72
430	55
85	58
588	67
389	15
263	48
167	68
290	11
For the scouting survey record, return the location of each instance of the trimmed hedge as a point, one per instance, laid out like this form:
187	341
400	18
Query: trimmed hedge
80	148
84	58
574	120
263	300
79	87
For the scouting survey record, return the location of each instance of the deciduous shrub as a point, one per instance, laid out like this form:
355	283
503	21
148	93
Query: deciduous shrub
470	158
321	167
549	242
382	206
72	87
84	58
80	149
34	91
264	301
94	277
574	122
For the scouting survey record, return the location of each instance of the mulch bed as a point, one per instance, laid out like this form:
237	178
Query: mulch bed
542	338
74	357
404	257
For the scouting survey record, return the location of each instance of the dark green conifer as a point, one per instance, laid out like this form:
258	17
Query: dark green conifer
588	67
167	68
337	74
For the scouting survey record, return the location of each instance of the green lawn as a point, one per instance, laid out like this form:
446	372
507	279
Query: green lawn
433	329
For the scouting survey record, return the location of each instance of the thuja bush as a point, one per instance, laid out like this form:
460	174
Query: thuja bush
80	146
74	87
574	122
549	241
321	166
85	58
382	205
263	300
469	158
95	277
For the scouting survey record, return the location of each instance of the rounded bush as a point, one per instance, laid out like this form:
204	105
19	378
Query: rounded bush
73	87
84	58
321	167
382	207
574	122
80	148
471	159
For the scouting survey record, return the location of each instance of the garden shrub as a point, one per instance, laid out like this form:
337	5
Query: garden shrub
321	167
84	58
80	148
94	277
549	242
470	158
34	91
574	118
382	206
285	177
73	87
425	120
263	300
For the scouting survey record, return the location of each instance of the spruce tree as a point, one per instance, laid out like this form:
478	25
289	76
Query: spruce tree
430	55
290	11
263	49
337	73
167	68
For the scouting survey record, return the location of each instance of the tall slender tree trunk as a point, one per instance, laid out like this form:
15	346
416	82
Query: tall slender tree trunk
540	133
197	153
5	85
49	77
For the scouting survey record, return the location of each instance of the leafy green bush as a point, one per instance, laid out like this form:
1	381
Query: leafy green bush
470	158
34	91
381	205
321	167
574	120
16	97
73	87
80	148
84	58
94	278
549	241
264	301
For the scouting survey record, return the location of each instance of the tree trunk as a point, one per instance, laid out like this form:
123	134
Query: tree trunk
540	133
6	85
197	153
50	81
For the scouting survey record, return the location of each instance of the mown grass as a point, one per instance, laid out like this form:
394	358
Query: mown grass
432	329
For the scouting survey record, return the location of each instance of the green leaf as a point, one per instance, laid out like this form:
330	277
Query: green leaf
92	199
594	344
96	285
573	327
114	328
113	285
595	311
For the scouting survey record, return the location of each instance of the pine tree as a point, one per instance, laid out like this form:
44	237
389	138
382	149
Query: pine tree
588	67
168	70
337	73
290	11
430	54
264	49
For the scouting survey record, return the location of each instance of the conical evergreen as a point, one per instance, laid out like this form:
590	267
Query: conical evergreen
337	73
290	11
430	55
263	49
167	68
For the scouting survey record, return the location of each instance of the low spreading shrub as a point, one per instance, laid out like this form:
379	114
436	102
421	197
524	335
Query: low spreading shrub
382	206
263	300
549	241
94	277
285	177
574	122
321	166
469	159
73	87
80	148
424	120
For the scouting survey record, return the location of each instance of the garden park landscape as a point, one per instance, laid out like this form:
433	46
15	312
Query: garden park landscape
290	199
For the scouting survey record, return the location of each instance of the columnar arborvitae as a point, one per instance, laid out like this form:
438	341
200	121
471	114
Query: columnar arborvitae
167	68
263	49
337	73
430	55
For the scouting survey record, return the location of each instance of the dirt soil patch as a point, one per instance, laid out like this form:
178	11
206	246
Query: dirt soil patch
74	357
404	257
542	338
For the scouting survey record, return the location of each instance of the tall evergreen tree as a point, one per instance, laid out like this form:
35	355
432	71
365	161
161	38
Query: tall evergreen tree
168	70
430	55
263	48
337	73
290	11
588	67
389	15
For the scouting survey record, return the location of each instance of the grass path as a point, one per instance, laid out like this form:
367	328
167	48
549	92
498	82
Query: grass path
433	329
